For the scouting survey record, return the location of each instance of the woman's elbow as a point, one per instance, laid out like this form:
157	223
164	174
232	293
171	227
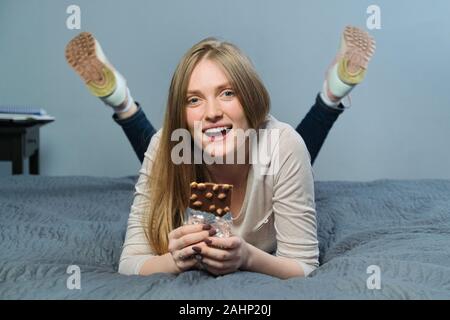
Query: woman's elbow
123	269
307	268
129	266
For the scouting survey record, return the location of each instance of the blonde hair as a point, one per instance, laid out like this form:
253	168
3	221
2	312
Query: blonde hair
169	183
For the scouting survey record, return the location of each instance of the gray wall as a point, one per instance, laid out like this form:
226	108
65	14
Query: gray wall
398	126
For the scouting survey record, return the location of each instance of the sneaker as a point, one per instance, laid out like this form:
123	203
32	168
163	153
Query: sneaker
85	55
350	65
357	48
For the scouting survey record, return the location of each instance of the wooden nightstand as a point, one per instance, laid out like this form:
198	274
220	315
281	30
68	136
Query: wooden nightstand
20	140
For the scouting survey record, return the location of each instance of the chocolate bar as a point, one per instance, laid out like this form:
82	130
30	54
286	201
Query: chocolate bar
211	197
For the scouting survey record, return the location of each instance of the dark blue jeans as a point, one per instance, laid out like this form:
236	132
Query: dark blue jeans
314	128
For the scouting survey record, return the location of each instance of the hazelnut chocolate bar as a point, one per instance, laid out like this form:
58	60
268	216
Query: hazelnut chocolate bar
211	197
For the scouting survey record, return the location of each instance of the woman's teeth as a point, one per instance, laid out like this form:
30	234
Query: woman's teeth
217	131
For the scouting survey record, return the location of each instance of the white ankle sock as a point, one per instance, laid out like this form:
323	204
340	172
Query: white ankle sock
119	95
326	99
337	87
130	102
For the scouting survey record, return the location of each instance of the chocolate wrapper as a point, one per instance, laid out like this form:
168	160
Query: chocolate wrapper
221	224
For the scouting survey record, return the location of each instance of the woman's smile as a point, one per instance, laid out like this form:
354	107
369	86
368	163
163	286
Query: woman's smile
217	134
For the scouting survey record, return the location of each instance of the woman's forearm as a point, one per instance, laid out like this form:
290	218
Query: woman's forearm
156	264
263	262
257	261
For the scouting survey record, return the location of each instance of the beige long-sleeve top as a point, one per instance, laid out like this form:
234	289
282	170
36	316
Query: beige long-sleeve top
278	213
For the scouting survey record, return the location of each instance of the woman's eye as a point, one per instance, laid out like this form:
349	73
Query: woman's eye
228	93
192	101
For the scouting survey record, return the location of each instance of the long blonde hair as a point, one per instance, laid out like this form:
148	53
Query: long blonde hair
169	183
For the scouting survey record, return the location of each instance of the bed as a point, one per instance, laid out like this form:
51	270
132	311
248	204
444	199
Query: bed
378	240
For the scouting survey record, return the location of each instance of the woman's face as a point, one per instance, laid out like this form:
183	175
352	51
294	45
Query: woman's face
212	103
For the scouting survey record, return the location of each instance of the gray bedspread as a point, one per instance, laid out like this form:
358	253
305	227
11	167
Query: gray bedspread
50	223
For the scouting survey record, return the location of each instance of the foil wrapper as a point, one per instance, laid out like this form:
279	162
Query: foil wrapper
221	224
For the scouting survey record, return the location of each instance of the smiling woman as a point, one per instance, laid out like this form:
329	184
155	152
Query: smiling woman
215	86
215	94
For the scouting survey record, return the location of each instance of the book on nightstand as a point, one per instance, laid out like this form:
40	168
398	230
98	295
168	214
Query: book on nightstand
24	114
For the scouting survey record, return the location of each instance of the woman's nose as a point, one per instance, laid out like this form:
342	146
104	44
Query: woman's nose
213	111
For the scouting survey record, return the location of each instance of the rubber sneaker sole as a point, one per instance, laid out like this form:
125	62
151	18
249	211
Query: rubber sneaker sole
83	53
357	48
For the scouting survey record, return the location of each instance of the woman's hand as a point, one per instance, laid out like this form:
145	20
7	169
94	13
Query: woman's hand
181	241
223	255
